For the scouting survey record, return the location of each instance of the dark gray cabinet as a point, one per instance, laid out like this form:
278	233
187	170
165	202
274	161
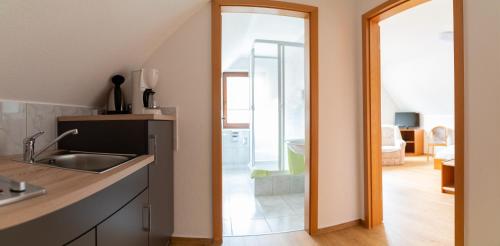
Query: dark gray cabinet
137	210
161	182
87	239
127	227
135	137
66	225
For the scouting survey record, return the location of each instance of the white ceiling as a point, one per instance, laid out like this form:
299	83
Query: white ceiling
417	61
64	51
239	30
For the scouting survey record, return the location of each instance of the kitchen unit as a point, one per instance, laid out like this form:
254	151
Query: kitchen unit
75	202
131	204
133	134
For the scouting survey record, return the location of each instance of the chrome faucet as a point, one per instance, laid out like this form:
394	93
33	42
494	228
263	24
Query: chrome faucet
29	154
29	147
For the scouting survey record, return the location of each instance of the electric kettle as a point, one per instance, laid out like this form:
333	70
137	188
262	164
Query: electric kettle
116	101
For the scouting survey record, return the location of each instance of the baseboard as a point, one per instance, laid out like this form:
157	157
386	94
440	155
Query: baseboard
191	241
338	227
208	241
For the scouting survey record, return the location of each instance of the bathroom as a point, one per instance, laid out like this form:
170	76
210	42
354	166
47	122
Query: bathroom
264	123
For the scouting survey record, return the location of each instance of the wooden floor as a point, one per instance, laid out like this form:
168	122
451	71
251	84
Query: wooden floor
415	213
415	210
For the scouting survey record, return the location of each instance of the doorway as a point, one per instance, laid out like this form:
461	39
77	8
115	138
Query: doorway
373	131
279	160
264	74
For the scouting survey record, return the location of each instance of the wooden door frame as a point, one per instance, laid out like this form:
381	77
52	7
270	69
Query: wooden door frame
311	173
372	110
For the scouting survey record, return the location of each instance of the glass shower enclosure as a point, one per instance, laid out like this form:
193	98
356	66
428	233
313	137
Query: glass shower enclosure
278	102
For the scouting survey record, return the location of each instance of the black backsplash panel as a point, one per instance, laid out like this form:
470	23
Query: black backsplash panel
124	137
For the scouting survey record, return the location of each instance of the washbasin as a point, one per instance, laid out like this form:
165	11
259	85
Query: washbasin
85	161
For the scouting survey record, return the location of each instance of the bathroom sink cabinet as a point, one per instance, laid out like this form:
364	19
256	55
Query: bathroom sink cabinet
135	137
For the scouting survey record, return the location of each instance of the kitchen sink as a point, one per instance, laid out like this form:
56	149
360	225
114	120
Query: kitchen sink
85	161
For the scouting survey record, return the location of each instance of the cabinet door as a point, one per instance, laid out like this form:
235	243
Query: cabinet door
161	182
128	226
87	239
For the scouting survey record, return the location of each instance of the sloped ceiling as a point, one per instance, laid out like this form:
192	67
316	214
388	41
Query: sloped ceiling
64	51
417	58
239	30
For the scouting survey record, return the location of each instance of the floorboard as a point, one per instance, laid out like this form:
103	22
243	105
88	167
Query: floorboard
415	213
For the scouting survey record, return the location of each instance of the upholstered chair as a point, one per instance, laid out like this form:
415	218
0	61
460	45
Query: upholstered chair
393	146
438	137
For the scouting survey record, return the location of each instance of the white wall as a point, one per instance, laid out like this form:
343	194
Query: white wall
65	51
388	107
417	63
185	80
482	112
340	159
429	121
482	70
239	30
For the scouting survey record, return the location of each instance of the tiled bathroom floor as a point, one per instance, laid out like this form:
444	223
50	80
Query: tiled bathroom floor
244	214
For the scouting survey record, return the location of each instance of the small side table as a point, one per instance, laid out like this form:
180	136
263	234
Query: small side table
433	150
438	163
448	176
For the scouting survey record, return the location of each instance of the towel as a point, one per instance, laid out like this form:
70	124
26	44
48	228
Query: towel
259	173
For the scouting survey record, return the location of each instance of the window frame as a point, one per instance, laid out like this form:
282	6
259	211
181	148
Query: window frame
226	124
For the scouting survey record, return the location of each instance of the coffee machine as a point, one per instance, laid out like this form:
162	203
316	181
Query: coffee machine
143	99
148	98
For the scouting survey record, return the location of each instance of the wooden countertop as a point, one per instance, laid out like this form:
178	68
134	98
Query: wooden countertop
117	117
64	187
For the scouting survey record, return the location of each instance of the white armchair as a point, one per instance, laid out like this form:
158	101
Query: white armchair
393	146
439	136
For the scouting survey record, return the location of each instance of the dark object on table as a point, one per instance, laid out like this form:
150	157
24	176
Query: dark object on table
116	101
148	98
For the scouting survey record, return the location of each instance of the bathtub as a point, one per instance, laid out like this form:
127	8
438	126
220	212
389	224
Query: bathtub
279	183
296	159
283	182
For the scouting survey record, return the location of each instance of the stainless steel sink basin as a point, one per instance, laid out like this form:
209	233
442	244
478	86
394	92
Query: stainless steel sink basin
85	161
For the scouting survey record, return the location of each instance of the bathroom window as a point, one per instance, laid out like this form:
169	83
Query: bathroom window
236	92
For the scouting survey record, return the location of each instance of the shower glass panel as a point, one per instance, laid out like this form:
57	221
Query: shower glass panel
266	122
278	102
264	49
294	100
